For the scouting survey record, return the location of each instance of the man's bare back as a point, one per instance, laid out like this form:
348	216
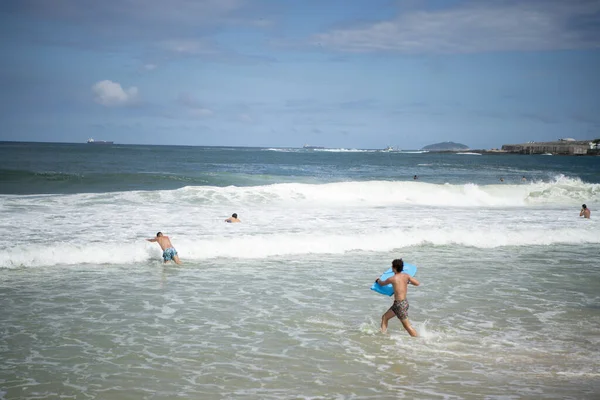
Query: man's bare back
169	252
585	212
400	284
163	241
233	218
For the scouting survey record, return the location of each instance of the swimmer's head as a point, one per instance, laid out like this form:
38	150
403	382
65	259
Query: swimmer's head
398	265
583	206
159	234
234	215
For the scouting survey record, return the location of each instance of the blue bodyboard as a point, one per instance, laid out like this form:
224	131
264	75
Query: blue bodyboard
388	290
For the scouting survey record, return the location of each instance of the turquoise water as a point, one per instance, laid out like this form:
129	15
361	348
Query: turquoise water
279	306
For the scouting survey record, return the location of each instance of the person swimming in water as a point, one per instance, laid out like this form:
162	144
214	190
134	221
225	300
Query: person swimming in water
233	218
169	252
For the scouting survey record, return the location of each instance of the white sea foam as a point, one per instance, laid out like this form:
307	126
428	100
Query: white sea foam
193	246
343	150
292	219
561	191
281	149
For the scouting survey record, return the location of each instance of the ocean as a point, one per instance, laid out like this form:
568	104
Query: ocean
279	306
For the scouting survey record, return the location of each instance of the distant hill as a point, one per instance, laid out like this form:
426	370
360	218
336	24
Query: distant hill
446	146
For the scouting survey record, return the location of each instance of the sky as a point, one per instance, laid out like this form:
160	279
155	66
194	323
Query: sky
277	73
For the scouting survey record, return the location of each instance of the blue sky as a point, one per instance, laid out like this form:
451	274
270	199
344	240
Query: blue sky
364	74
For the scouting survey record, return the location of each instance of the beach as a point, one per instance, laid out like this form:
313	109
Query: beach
279	305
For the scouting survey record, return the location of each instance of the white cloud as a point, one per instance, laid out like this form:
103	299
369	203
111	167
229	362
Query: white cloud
109	25
109	93
476	27
201	112
193	106
189	47
203	48
245	118
132	15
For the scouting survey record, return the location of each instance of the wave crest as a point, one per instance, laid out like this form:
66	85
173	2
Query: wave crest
560	191
289	244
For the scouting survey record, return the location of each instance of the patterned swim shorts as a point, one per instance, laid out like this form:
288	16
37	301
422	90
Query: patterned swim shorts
169	253
400	308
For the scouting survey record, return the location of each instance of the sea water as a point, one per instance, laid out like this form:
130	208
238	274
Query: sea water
279	305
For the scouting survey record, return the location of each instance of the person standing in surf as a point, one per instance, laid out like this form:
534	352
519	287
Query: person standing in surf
169	252
400	283
585	212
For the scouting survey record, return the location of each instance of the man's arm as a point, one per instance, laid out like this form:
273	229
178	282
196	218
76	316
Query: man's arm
386	282
413	281
581	212
151	240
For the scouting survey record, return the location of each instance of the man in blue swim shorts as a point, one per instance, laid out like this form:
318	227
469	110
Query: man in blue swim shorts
169	252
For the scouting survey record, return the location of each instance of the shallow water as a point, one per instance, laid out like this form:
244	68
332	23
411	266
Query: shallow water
307	328
279	306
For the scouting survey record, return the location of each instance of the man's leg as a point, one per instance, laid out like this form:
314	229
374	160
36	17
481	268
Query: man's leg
384	320
176	259
411	331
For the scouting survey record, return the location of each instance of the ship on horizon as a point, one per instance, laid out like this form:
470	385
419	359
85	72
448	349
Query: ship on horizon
92	141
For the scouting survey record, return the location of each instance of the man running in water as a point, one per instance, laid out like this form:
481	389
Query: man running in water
169	252
400	283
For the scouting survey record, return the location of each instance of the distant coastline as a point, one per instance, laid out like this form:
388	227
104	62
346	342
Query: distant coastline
590	152
563	147
569	147
531	148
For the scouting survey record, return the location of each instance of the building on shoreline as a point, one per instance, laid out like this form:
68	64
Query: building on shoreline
560	147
